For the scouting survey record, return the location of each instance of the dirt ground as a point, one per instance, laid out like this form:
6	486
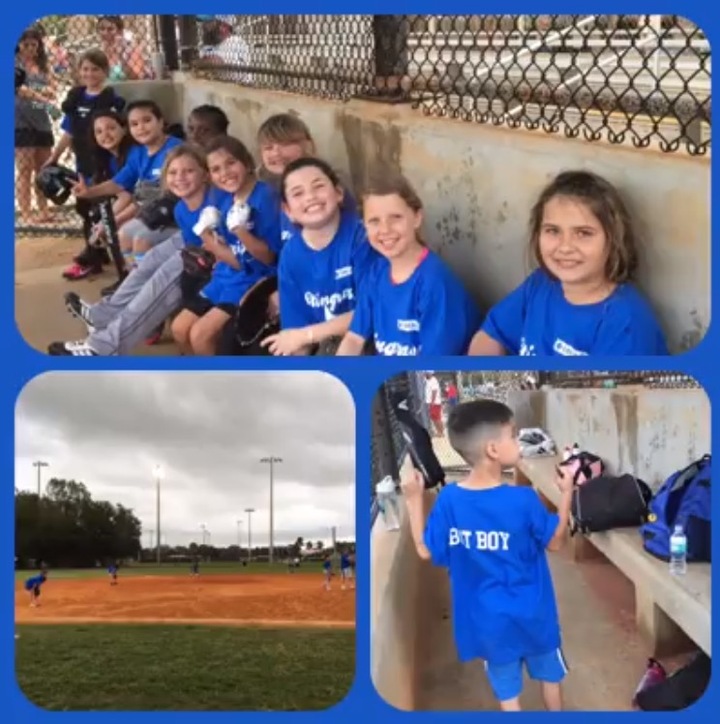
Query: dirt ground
281	600
39	289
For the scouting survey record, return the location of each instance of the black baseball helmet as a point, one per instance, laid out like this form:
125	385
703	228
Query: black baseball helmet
20	77
55	183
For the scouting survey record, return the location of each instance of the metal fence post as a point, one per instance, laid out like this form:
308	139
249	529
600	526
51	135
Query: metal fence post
390	33
168	41
188	41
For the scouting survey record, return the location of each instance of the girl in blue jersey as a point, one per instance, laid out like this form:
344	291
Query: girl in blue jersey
140	176
413	304
580	301
109	146
244	236
322	263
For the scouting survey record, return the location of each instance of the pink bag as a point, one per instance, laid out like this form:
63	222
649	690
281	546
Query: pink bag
584	466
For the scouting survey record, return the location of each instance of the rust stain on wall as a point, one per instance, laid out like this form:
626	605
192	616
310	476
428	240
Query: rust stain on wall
626	415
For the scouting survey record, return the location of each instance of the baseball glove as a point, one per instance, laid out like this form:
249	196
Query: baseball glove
252	320
158	213
197	262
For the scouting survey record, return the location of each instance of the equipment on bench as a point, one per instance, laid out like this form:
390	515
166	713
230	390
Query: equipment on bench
584	466
683	499
56	183
608	502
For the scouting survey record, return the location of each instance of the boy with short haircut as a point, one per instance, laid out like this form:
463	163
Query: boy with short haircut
492	536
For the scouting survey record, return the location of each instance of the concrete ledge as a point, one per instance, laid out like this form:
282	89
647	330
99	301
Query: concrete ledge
395	579
663	603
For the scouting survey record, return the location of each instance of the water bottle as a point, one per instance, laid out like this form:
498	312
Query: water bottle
387	501
678	552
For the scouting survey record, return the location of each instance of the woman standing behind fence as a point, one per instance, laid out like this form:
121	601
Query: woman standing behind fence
33	125
124	56
581	300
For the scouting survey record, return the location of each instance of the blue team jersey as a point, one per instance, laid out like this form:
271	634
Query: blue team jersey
316	286
141	166
429	313
536	319
185	219
327	565
228	285
34	581
344	562
493	543
113	569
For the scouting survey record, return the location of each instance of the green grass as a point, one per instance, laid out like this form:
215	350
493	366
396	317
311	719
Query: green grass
174	569
182	668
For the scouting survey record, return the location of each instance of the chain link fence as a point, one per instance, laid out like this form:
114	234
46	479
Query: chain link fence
389	448
50	50
637	79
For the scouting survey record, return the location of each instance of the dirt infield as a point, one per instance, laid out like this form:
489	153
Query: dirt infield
280	600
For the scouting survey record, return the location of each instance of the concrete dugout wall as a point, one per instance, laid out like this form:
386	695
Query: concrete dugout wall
647	432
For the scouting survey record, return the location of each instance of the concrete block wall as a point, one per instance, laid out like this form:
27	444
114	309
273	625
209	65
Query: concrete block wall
649	433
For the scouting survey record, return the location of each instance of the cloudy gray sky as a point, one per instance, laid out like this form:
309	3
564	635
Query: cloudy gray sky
208	431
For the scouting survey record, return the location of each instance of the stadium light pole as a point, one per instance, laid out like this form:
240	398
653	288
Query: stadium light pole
239	523
159	474
40	464
271	460
249	512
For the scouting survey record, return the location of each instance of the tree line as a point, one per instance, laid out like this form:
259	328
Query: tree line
67	528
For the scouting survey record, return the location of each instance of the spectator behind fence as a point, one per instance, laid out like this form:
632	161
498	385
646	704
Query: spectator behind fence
243	233
34	105
223	45
493	539
124	54
413	304
322	264
581	300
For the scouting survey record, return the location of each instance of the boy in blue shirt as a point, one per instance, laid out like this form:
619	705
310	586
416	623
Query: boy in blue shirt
492	537
346	572
113	573
327	572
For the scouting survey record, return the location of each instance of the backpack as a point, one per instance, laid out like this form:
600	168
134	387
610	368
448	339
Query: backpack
609	502
683	499
681	689
420	446
584	466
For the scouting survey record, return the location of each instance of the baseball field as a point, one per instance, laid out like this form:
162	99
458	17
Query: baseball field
232	638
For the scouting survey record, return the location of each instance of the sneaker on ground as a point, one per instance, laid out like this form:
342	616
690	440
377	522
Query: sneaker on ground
71	349
79	309
75	272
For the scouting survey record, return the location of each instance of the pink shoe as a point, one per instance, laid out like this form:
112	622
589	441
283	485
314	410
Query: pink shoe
76	272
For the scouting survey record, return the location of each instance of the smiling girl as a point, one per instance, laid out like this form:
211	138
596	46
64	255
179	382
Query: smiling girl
323	261
245	243
413	303
580	301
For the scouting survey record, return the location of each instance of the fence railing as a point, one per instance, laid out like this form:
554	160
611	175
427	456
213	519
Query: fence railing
638	79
